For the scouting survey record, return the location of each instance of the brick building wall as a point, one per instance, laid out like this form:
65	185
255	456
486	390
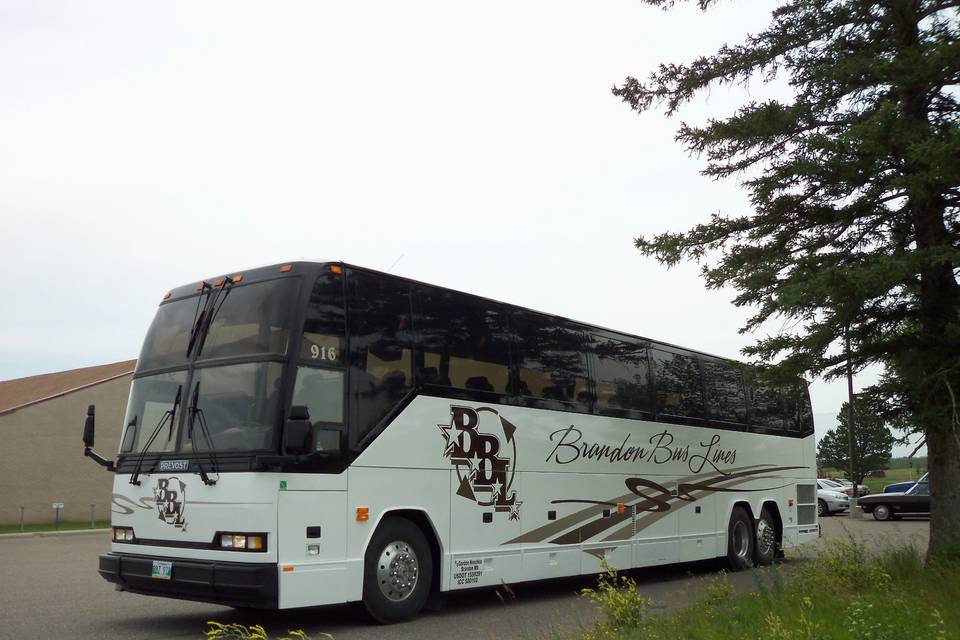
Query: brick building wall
42	458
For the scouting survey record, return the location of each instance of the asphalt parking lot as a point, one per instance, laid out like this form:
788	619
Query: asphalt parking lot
49	588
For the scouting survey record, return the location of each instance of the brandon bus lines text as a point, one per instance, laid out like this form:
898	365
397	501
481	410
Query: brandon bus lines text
570	447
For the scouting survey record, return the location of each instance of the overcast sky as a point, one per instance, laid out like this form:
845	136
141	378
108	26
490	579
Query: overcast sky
144	145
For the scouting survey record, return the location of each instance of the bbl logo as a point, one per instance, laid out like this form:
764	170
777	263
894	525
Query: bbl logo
170	497
485	461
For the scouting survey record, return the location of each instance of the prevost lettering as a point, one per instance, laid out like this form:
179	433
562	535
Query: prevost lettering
173	465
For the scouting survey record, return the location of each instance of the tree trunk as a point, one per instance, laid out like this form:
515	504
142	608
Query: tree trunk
934	358
943	459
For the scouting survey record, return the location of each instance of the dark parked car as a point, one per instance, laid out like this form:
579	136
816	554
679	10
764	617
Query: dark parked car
884	506
902	486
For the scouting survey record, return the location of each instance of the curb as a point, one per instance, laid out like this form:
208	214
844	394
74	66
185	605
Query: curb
53	534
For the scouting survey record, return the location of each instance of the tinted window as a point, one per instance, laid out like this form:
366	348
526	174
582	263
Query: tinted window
805	425
166	342
679	386
323	329
236	407
381	346
766	407
151	398
621	376
726	394
550	358
321	392
251	319
463	342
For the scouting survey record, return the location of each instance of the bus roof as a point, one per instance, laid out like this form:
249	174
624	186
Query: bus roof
314	267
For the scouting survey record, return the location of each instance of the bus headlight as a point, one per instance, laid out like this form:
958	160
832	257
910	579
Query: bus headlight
123	534
243	541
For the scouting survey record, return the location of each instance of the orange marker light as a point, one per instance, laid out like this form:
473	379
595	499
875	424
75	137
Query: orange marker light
218	282
363	514
287	268
335	268
288	569
237	278
167	297
621	508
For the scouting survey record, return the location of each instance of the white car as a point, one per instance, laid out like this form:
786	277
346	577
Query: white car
847	486
830	498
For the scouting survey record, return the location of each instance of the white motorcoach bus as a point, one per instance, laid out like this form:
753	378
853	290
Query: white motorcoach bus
316	433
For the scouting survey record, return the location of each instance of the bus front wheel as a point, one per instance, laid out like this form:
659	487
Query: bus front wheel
740	540
397	571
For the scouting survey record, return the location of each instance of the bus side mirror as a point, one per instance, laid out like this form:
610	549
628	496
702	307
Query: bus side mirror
88	441
298	435
88	426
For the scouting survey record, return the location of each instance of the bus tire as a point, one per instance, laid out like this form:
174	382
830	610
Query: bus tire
740	541
397	571
766	538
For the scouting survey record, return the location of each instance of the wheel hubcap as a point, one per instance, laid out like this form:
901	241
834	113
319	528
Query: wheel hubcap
397	571
741	539
766	537
883	512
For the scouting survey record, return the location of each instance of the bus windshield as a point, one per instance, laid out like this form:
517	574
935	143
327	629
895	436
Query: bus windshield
251	319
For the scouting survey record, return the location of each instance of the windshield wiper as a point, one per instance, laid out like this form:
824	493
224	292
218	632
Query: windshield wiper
213	305
194	412
199	315
169	414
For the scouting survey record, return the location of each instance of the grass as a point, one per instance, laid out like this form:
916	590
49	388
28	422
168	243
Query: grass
49	526
845	593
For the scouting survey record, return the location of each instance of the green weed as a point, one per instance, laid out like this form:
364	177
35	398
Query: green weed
220	631
621	605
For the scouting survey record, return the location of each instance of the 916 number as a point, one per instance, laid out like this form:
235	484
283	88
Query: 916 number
323	353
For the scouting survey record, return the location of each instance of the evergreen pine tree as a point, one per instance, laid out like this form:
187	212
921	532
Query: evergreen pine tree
872	446
855	190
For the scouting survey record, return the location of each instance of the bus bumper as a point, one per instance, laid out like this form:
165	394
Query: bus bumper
228	583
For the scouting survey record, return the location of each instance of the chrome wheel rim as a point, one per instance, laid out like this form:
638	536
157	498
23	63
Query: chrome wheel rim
398	570
741	539
882	511
766	537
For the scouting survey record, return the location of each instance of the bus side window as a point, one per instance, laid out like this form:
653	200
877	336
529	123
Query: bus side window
622	376
805	425
380	350
726	396
323	328
550	359
679	385
766	408
463	342
796	416
321	391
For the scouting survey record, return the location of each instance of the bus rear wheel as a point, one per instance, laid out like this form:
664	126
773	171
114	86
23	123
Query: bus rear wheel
766	538
397	571
740	540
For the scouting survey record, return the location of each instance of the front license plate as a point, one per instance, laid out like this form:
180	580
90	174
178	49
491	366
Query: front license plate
162	569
